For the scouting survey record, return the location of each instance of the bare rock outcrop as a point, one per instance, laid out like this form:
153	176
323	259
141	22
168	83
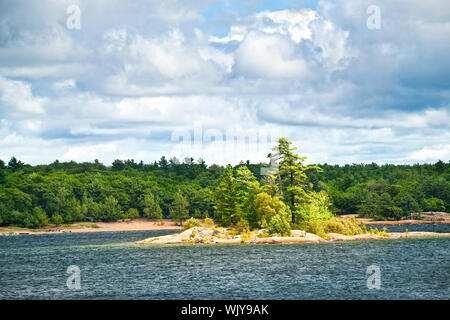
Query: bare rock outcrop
199	235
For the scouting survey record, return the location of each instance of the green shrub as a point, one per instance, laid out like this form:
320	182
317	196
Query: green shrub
132	213
312	226
316	209
191	223
363	227
242	226
279	225
343	226
378	232
273	213
208	223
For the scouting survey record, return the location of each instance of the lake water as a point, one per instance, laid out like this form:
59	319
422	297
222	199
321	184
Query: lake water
35	267
413	227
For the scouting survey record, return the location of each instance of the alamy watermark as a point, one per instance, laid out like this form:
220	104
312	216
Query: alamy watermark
373	22
73	22
74	280
374	280
230	145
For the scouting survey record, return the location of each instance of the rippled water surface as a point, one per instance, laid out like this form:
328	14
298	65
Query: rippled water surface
414	227
34	267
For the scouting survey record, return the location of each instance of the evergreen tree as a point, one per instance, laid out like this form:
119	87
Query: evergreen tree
150	207
40	216
111	209
247	187
179	209
118	165
15	164
57	220
292	174
228	210
2	172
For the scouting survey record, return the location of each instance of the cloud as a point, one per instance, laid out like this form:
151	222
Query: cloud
90	152
64	85
441	151
17	96
166	63
137	73
271	56
291	23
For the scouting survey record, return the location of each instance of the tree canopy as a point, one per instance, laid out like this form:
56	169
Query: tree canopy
65	192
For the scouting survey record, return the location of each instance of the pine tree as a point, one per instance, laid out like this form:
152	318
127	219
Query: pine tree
292	175
228	210
179	209
15	164
247	186
2	172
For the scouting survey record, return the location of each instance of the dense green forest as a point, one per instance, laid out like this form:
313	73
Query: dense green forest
66	192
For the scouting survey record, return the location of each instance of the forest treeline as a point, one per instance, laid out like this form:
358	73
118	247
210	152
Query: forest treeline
65	192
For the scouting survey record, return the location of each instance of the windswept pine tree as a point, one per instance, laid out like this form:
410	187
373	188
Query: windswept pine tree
292	175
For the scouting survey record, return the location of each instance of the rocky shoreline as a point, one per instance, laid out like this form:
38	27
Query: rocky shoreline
200	235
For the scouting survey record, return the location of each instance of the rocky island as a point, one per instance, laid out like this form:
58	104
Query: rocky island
201	235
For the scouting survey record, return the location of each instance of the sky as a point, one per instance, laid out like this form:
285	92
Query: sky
345	81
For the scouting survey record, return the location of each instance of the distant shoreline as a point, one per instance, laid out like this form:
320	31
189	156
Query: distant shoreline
143	224
367	222
78	227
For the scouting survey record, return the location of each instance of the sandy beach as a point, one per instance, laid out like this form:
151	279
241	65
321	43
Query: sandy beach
133	225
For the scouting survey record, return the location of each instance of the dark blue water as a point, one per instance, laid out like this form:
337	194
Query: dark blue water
34	267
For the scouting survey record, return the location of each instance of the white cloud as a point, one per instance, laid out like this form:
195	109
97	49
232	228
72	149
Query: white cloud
438	152
42	72
272	56
285	111
332	44
90	152
294	23
18	96
115	40
167	63
31	126
50	46
64	85
291	23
